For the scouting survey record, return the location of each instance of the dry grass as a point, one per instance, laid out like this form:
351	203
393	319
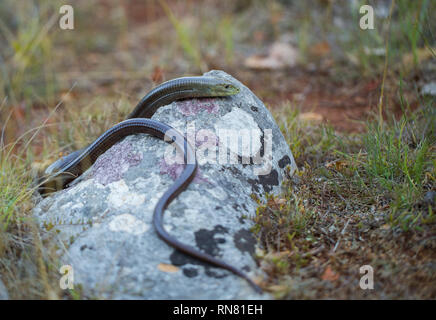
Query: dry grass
354	203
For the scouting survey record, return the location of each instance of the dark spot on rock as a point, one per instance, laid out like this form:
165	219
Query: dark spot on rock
234	170
244	241
245	161
283	162
246	268
254	109
211	273
254	185
179	259
235	206
218	207
269	180
84	247
244	206
221	240
207	241
190	272
241	219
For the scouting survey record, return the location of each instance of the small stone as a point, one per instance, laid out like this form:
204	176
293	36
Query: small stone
429	89
430	197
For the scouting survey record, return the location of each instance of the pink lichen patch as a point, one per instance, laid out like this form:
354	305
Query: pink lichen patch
193	107
111	166
174	170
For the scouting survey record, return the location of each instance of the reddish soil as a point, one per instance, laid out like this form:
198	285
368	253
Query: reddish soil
346	106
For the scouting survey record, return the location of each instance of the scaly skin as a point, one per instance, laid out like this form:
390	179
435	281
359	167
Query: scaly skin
164	94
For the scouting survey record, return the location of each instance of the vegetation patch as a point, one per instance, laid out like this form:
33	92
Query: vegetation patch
366	199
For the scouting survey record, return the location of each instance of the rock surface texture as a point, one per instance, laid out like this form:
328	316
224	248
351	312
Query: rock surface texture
105	219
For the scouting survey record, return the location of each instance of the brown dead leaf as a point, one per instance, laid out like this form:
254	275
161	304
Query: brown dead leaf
320	49
272	203
330	275
67	96
281	201
310	116
157	75
278	287
277	255
167	268
337	164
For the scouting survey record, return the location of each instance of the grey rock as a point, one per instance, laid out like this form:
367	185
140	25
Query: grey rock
3	292
105	219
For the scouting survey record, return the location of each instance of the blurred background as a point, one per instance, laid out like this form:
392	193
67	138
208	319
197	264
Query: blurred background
349	102
311	53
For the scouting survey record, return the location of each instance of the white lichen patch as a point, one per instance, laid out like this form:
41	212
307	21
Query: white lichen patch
128	223
191	200
241	128
179	125
121	195
66	206
83	185
188	213
77	206
218	193
70	206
